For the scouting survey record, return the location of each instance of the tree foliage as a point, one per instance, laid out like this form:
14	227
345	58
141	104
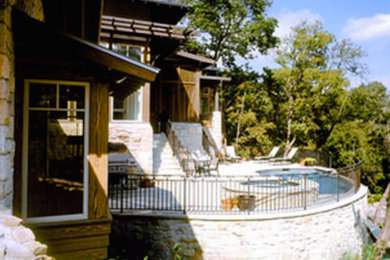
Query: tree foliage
362	133
232	28
313	79
308	103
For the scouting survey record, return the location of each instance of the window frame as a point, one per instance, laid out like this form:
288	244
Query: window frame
141	109
141	89
26	110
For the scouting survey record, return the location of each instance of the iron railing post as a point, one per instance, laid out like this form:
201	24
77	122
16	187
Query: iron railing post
357	177
337	187
248	197
121	200
185	195
305	191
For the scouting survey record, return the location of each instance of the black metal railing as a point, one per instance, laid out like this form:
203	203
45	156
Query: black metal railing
232	194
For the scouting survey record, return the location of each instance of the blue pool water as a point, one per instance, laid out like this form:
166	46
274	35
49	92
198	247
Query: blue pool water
328	184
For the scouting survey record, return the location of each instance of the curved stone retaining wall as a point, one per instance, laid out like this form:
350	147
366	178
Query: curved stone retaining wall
325	232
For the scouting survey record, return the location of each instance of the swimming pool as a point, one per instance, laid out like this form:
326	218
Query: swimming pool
328	183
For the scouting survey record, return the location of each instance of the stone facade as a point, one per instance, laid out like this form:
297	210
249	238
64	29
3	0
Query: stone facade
34	9
18	242
216	129
327	232
138	138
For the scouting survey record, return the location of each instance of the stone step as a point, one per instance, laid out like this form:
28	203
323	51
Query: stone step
163	160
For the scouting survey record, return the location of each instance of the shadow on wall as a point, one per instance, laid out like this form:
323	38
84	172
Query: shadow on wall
135	235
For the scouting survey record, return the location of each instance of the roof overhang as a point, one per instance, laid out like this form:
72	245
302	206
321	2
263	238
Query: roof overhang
184	58
215	78
41	35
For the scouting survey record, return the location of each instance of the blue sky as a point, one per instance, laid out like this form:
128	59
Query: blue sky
365	22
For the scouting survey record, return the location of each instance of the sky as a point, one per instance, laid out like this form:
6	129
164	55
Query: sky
365	22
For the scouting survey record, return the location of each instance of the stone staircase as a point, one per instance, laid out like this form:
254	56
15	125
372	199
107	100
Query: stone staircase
164	162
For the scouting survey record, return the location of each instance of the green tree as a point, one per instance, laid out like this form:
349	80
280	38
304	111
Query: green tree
231	28
313	80
362	133
247	108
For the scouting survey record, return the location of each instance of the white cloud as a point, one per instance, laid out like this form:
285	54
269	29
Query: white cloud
368	28
287	19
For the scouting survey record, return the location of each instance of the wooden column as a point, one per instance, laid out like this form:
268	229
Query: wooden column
146	88
98	151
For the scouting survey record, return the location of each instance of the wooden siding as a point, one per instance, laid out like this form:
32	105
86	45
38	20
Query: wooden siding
176	92
79	239
75	240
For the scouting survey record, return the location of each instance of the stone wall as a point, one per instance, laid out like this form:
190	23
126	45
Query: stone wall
18	242
216	129
7	89
138	138
190	135
326	232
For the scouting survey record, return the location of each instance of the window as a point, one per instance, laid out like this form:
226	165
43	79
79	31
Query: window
129	107
55	145
205	101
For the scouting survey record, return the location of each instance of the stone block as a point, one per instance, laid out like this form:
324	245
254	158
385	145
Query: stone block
5	167
43	257
6	144
4	88
5	66
22	235
10	221
4	112
5	35
36	247
17	251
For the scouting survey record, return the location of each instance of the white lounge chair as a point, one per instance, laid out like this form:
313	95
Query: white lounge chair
231	154
286	159
272	154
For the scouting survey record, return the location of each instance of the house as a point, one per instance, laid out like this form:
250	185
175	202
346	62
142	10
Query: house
151	35
146	31
55	82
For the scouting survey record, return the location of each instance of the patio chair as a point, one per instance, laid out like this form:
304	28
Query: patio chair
286	159
214	166
272	154
231	154
189	166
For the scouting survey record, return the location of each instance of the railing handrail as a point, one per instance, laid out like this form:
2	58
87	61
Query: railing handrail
207	140
177	148
289	191
349	167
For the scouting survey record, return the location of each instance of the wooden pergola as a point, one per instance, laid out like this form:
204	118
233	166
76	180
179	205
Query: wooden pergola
118	28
